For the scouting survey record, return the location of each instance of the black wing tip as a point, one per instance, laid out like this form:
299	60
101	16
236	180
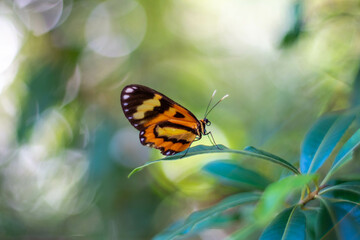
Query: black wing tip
134	86
127	92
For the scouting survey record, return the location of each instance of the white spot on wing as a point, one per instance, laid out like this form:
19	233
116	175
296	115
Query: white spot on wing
126	96
135	124
126	110
130	118
125	103
129	90
134	88
142	132
142	139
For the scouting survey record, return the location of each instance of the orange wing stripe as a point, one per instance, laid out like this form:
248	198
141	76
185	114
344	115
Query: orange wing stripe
163	124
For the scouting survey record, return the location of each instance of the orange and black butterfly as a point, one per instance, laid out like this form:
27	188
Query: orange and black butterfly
163	123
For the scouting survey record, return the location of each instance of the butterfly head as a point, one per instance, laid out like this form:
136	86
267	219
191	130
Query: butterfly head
207	122
203	123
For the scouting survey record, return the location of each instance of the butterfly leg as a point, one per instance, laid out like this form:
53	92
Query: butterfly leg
212	140
189	147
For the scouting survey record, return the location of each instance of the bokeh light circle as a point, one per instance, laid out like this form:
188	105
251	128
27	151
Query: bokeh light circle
39	16
116	29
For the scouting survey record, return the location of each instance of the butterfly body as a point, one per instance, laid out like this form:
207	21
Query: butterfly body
163	123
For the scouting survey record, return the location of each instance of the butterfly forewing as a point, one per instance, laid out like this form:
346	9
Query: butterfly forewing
163	124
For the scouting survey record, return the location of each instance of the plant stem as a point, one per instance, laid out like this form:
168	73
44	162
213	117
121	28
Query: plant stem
311	195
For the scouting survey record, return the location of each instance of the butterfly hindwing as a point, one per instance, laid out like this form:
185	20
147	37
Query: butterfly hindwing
163	124
167	137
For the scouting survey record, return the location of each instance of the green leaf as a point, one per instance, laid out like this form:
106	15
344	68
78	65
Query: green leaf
355	98
338	220
246	232
42	93
345	154
311	222
271	156
296	27
289	224
236	175
348	147
350	186
202	149
276	193
349	191
322	138
217	221
197	217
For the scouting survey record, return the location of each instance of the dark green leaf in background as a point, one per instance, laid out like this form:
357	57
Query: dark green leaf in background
313	139
289	224
355	97
46	84
200	216
349	191
321	140
311	222
297	25
216	221
338	221
100	162
347	149
345	154
236	175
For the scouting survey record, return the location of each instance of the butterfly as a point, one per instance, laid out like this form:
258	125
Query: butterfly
163	123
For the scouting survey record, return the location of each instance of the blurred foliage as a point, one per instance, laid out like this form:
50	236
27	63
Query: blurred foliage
66	148
335	205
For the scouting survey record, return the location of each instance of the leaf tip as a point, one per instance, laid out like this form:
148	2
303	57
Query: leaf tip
134	171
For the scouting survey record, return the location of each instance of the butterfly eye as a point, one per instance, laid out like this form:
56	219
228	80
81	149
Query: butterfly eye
208	123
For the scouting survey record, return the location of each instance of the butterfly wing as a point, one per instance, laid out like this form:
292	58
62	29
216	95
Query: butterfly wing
169	139
163	123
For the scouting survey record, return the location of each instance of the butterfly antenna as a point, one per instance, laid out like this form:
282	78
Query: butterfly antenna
216	104
209	103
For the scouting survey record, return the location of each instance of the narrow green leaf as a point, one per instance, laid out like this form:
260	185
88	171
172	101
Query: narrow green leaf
338	221
276	193
349	186
201	149
348	147
296	27
322	139
269	155
197	150
355	97
235	175
245	233
289	224
200	216
345	154
313	140
351	208
349	191
311	223
217	221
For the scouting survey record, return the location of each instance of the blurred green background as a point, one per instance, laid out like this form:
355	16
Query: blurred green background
66	147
